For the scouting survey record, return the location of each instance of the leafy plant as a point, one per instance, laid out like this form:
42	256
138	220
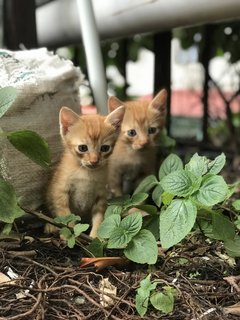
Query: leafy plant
161	300
186	198
30	144
68	234
138	243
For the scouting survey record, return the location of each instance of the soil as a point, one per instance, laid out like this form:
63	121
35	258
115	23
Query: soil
50	284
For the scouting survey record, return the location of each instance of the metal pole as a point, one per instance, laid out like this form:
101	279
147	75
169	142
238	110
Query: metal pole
93	54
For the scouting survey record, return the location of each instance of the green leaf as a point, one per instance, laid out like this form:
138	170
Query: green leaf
223	228
217	164
66	233
120	201
142	304
170	164
96	247
138	198
198	165
9	209
71	242
232	247
151	223
156	195
119	238
68	236
146	184
176	222
79	228
162	302
32	145
7	97
142	248
113	209
66	219
146	285
7	228
132	223
181	183
148	208
143	293
167	198
236	205
108	225
128	228
212	191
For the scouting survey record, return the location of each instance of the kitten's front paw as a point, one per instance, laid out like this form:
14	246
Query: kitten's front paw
50	228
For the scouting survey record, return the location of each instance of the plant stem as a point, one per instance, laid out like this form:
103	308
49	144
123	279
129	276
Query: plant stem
50	220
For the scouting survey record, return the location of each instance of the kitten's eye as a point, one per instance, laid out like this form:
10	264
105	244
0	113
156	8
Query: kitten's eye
152	130
83	148
132	132
105	148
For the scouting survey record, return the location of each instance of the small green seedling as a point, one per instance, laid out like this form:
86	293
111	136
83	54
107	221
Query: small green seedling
162	300
70	234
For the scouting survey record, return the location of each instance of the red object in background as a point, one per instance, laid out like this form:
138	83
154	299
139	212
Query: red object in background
187	103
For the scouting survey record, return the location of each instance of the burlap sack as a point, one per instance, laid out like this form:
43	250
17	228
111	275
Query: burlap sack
44	83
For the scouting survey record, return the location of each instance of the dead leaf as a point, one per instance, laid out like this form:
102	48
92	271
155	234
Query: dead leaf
233	309
4	278
233	281
103	262
106	287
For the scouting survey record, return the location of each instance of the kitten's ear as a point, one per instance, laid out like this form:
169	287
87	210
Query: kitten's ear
159	102
67	118
114	103
115	118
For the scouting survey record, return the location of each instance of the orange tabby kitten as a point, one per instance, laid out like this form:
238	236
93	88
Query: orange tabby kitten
134	156
79	182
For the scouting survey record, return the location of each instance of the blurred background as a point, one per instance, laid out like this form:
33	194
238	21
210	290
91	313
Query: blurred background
192	51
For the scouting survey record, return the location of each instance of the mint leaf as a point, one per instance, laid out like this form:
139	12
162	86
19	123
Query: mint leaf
236	205
223	228
170	164
66	219
156	195
32	145
142	248
96	248
212	191
138	198
181	183
198	165
162	302
217	164
128	228
132	223
113	209
108	225
119	238
120	201
9	209
167	198
146	184
232	246
79	228
148	208
176	222
143	293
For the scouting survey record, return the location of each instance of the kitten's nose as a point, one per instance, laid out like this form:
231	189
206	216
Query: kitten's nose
94	159
143	141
